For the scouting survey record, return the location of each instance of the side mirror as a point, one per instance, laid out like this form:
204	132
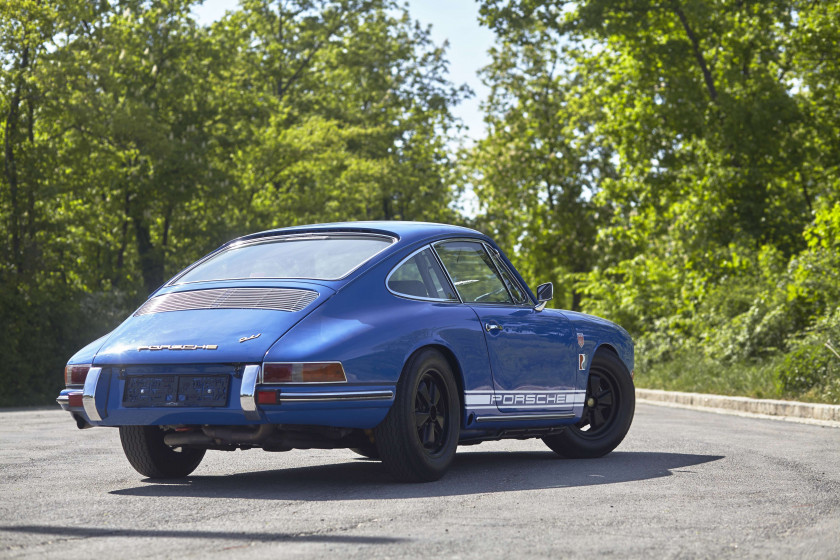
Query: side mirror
545	293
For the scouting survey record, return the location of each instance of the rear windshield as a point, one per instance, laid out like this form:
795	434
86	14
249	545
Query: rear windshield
328	257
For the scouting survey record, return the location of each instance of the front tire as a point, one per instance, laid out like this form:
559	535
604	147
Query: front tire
418	438
607	412
145	450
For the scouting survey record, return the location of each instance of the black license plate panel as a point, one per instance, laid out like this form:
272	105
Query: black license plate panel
176	390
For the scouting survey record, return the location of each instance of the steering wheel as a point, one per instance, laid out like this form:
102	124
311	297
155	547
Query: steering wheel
488	294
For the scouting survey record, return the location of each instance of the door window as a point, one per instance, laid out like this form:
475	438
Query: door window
517	293
472	271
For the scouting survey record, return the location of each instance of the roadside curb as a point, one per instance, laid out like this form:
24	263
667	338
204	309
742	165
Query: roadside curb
791	411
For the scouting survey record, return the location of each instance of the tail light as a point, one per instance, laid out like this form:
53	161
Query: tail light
75	374
303	372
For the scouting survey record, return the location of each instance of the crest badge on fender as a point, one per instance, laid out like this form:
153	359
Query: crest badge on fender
580	339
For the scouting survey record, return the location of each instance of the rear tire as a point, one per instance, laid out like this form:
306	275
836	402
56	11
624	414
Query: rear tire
607	411
368	451
418	438
145	450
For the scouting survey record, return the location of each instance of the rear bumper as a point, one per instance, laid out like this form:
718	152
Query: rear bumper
343	405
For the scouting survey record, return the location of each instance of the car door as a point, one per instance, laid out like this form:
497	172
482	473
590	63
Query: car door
531	353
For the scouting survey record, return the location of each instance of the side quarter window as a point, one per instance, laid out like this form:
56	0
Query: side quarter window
420	276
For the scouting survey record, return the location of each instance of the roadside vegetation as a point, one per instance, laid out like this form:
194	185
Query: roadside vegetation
675	166
672	166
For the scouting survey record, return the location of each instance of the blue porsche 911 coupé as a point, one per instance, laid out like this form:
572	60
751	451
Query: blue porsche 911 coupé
398	340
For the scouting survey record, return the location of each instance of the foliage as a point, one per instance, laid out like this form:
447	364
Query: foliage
671	165
715	219
135	140
535	171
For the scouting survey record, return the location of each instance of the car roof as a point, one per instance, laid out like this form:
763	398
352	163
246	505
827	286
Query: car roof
406	232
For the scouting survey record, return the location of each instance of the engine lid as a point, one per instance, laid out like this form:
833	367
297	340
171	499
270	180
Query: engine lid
211	324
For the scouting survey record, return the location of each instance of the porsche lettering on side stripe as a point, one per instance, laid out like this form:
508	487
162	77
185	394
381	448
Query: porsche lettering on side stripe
477	400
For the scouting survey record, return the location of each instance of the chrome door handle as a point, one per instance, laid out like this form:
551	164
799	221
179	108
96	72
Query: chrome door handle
489	327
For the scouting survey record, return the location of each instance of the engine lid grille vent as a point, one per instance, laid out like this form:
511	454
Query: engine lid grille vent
278	299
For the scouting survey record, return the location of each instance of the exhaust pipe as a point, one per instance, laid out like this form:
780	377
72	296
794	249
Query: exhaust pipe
268	436
217	435
236	434
177	439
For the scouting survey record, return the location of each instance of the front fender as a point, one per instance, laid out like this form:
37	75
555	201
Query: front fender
599	334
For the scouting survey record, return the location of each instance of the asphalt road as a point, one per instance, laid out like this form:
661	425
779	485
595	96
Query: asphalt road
684	484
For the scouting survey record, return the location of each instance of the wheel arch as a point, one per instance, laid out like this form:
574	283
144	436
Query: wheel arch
453	362
607	347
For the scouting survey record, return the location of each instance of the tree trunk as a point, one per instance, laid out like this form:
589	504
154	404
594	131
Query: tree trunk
151	257
698	54
10	168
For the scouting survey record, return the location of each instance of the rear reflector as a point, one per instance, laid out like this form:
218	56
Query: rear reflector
75	400
75	374
266	397
306	372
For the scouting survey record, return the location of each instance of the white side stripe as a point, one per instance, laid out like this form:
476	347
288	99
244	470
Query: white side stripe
523	399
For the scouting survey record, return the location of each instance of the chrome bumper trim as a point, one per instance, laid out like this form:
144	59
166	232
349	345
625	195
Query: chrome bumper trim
338	396
89	394
247	392
518	417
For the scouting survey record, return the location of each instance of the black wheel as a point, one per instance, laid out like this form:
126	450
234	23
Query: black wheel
607	411
145	450
417	439
368	451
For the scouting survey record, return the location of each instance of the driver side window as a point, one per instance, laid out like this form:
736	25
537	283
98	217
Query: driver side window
472	271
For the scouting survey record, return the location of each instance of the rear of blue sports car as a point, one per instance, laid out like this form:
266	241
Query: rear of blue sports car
205	361
397	340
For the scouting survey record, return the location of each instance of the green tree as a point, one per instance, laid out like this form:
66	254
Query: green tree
541	162
346	113
38	292
138	105
134	141
721	120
